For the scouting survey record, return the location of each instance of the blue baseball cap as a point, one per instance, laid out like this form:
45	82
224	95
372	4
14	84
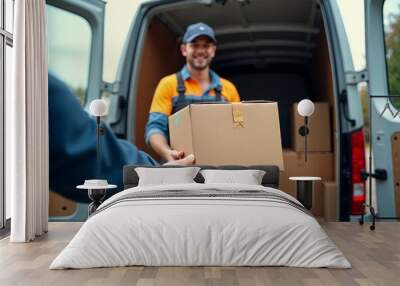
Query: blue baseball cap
199	29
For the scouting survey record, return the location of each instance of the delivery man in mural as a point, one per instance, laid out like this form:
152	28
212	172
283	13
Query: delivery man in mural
72	146
194	83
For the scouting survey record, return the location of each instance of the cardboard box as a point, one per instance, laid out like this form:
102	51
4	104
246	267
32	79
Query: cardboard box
244	133
319	164
319	125
60	206
330	201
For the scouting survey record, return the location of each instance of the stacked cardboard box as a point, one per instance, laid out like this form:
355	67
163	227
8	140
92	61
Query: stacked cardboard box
319	125
330	201
320	159
60	206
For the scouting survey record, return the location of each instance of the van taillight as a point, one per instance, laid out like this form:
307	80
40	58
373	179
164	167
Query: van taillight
358	165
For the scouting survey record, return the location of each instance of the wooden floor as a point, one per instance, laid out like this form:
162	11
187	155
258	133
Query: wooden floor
374	255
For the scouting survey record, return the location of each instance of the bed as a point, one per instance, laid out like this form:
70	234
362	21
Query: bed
201	224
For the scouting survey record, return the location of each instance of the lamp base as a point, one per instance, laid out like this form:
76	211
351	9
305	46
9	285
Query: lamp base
97	196
305	192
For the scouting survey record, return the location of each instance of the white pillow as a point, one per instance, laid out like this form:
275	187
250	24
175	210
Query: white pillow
248	177
163	176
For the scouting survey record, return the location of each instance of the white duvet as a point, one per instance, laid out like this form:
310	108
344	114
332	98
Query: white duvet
200	231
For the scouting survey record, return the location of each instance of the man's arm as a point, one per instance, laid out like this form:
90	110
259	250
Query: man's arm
160	145
156	134
72	151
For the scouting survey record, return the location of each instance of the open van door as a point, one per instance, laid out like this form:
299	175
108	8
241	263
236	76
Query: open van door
384	116
75	43
75	56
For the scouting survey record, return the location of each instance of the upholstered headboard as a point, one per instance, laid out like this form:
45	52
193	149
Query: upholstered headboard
270	179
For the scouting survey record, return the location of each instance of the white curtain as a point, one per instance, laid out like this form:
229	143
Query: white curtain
27	173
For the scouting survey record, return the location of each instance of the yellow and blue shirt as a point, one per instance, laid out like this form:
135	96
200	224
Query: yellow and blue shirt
166	97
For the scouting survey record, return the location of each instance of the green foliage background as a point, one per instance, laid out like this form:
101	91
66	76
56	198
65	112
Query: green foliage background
80	94
392	41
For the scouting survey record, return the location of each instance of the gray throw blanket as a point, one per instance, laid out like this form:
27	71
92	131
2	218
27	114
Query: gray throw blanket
206	194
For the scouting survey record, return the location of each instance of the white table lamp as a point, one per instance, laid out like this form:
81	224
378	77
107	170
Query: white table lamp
305	108
98	108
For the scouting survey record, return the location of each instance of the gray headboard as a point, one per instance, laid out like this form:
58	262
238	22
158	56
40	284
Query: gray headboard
270	179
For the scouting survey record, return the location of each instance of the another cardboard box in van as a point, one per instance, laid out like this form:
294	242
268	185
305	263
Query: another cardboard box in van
330	201
319	125
61	206
243	133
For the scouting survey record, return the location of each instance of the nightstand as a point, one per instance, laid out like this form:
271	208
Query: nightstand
96	191
304	188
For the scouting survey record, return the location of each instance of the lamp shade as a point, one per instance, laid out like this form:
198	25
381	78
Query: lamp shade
98	107
305	107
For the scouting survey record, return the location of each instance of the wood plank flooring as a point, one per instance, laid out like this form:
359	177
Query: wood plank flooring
374	255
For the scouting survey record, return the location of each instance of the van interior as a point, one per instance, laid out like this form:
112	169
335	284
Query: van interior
268	51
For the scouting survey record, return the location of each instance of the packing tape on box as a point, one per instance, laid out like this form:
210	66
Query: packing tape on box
237	114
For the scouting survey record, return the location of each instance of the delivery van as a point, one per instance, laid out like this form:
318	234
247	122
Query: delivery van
276	50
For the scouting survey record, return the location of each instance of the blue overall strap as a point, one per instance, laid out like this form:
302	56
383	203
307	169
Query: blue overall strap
182	101
218	91
180	87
